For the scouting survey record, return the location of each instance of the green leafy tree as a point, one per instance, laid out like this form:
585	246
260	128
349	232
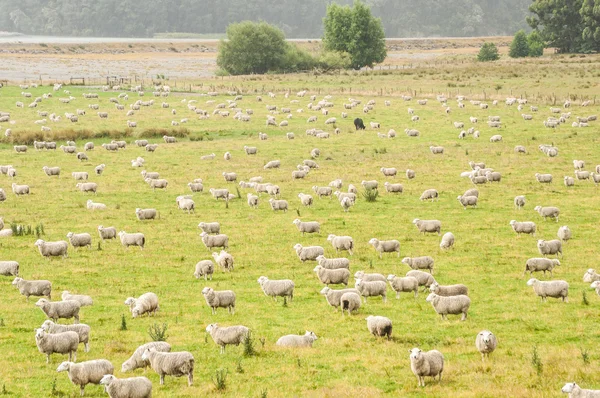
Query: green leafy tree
520	46
590	15
536	44
488	52
355	31
252	48
559	22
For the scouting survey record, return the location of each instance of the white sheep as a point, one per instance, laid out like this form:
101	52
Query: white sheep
132	239
175	364
450	305
575	391
59	343
79	240
277	288
132	387
546	212
430	363
52	249
385	246
379	326
417	263
406	284
519	202
333	263
107	232
371	288
447	241
82	299
224	260
88	372
9	268
135	361
523	227
448	290
307	227
546	247
294	340
147	303
341	243
429	194
333	297
538	264
564	233
555	289
350	301
219	299
223	336
486	343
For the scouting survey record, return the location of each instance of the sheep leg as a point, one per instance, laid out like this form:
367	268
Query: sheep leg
81	388
48	357
397	295
162	379
76	318
87	346
464	316
190	378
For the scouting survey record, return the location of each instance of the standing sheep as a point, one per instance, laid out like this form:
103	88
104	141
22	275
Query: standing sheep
135	239
546	247
350	302
341	243
554	289
59	309
174	364
210	227
406	284
519	202
107	232
80	240
204	268
564	233
372	288
308	227
212	241
277	288
135	361
430	363
575	391
219	299
83	300
9	268
59	343
132	387
385	246
486	343
52	249
379	326
82	330
223	336
308	253
524	227
416	263
540	264
333	297
332	276
224	260
428	226
546	212
33	288
333	263
448	290
447	241
88	372
147	303
450	305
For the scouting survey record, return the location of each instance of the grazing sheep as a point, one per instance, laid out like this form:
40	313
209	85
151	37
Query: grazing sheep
379	326
406	284
332	276
333	297
277	288
524	227
564	233
519	202
496	138
520	149
309	227
538	264
273	164
132	387
294	340
543	178
219	299
147	303
308	253
466	201
211	241
555	289
346	203
546	212
575	391
52	249
224	260
107	232
350	302
79	240
546	247
51	171
20	189
341	243
486	343
429	194
369	277
99	169
252	200
437	150
88	372
220	194
79	175
33	287
416	263
410	174
230	177
223	336
447	241
250	150
323	191
157	183
174	364
82	299
210	227
134	239
385	246
278	204
371	288
135	361
87	187
389	171
450	305
425	226
430	363
204	268
305	199
393	188
582	175
369	185
333	263
448	290
59	343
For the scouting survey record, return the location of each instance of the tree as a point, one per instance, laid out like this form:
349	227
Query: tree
488	52
356	32
536	44
590	15
252	48
559	23
520	46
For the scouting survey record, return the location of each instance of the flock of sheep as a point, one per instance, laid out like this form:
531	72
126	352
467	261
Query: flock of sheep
54	338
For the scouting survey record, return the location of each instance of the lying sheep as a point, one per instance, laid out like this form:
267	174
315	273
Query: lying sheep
448	290
135	361
519	202
546	212
294	340
406	284
379	326
372	288
385	246
350	302
107	232
52	249
219	299
575	391
450	305
147	303
134	239
82	299
538	264
204	268
132	387
80	240
430	363
88	372
307	227
59	343
416	263
223	336
486	343
524	227
341	243
175	364
91	205
590	276
564	233
546	247
277	288
555	289
447	241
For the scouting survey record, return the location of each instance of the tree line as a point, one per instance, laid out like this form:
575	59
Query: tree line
297	19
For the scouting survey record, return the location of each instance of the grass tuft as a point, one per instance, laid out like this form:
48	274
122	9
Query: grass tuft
158	332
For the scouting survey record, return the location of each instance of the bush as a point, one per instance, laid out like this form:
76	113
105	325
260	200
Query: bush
536	44
519	47
157	332
334	60
297	59
488	52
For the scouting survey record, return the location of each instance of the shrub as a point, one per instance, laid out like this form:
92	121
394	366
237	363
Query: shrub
519	47
157	332
370	195
536	44
488	52
220	379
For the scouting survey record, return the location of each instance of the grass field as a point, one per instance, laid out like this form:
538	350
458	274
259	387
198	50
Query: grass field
346	360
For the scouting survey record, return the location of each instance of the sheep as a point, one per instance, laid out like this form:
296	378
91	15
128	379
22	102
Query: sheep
496	138
341	243
333	297
308	253
175	364
447	241
333	263
158	183
448	290
385	246
134	239
294	340
147	303
52	249
305	199
220	194
486	343
493	176
223	336
9	268
410	174
315	153
211	241
80	240
548	212
136	361
323	191
549	247
230	177
596	285
564	233
79	175
33	287
99	169
578	164
309	227
450	305
369	185
273	164
575	391
520	149
20	189
554	289
2	195
596	177
169	139
388	171
538	264
350	301
273	190
20	148
466	201
416	263
107	232
379	326
519	202
332	276
278	204
406	284
152	148
51	171
219	299
590	276
430	226
132	387
524	227
59	343
277	288
82	330
87	187
430	363
371	288
437	150
83	300
88	372
250	150
252	200
543	178
429	194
